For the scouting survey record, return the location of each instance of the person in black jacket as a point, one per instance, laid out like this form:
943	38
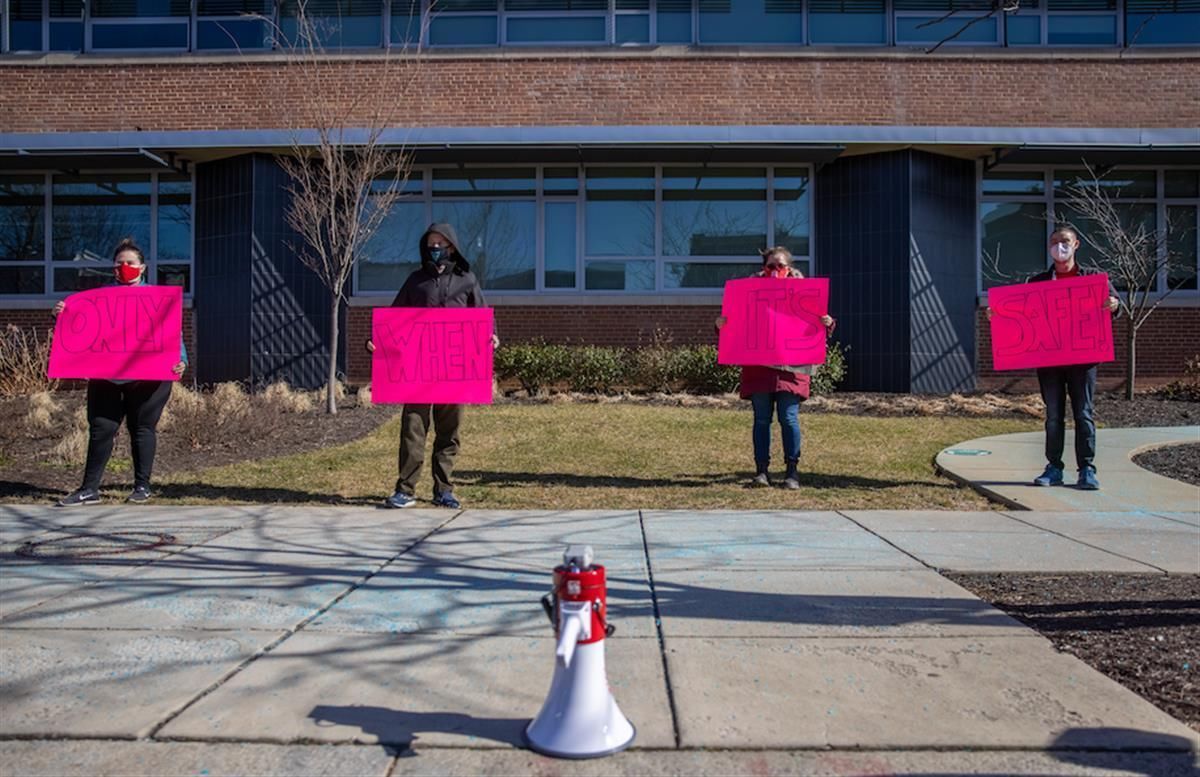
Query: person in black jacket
1077	381
444	280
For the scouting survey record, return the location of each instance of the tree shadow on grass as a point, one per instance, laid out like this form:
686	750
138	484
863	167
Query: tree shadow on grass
262	495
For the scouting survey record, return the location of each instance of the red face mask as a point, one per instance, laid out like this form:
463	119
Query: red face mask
128	273
778	272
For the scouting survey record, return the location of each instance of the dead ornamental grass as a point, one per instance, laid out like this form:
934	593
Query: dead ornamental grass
287	400
42	410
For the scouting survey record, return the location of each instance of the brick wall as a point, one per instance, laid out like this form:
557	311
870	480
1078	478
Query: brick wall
516	89
1164	343
42	320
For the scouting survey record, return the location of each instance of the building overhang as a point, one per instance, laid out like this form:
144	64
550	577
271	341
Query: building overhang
634	144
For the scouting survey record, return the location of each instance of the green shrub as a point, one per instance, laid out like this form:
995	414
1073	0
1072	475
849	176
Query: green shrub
827	377
534	365
596	368
700	373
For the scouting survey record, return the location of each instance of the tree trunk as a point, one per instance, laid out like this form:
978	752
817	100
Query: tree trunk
331	385
1131	364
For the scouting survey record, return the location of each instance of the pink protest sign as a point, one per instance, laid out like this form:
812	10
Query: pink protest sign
431	356
119	332
774	321
1051	323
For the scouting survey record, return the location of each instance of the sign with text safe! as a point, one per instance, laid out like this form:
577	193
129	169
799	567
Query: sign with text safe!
432	356
1051	323
774	321
119	333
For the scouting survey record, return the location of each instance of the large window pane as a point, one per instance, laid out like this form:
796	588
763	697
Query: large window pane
174	219
69	279
569	29
25	25
1013	242
393	251
175	275
751	21
23	280
1117	183
498	239
463	31
1181	245
792	210
1033	183
674	21
1170	23
619	215
1081	30
480	181
714	212
696	275
1181	183
560	180
336	23
560	247
139	36
1023	30
225	24
957	29
633	28
22	218
619	276
847	21
92	213
1133	216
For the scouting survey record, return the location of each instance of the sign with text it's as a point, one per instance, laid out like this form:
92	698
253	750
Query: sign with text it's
774	321
1051	323
431	356
120	333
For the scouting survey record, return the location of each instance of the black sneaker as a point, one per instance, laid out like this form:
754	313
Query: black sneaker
84	496
446	499
139	495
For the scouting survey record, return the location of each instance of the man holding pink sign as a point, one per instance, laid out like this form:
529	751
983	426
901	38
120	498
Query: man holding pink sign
127	341
777	331
433	361
1064	329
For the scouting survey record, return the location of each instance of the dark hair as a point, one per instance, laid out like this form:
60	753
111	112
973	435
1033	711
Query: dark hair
1065	228
128	245
767	253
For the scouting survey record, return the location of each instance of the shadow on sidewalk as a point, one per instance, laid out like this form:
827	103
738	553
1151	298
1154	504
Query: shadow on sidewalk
397	730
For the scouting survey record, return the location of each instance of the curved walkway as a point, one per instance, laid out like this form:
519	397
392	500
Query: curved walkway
1003	467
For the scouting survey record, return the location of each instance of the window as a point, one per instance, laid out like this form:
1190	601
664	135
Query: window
85	216
600	228
230	24
1162	22
847	21
335	23
1017	208
139	24
66	25
1081	22
464	23
751	21
957	22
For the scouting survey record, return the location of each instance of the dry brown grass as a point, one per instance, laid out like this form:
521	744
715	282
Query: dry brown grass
41	413
24	355
287	400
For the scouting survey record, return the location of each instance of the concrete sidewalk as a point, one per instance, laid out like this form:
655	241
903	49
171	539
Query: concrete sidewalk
1003	467
264	640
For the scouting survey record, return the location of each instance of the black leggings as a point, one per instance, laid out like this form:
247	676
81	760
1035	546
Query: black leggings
140	404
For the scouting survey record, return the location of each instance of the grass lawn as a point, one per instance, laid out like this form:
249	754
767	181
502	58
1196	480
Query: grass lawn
575	456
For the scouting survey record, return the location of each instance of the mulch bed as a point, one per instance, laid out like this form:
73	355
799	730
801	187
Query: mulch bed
1181	462
1141	630
27	472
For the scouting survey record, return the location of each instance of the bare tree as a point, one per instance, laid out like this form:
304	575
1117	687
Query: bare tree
1134	252
997	6
344	177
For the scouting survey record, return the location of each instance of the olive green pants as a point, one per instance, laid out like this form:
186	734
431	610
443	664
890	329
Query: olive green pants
414	426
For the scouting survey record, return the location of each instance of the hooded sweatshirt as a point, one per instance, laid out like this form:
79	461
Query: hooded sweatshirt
455	287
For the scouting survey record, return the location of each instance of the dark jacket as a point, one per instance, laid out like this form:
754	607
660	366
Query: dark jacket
454	288
1048	273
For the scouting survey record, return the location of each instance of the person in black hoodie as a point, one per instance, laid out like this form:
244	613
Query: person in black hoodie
444	280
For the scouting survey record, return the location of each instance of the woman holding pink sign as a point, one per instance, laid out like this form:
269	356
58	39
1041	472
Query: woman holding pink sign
139	403
777	389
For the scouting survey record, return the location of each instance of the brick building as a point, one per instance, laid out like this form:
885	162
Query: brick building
608	163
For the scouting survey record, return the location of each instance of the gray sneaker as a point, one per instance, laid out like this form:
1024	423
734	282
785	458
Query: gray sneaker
84	496
761	480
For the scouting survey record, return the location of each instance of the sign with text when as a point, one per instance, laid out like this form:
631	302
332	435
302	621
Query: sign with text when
431	356
1051	323
120	333
774	321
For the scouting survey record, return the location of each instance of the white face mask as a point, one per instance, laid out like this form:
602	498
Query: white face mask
1061	251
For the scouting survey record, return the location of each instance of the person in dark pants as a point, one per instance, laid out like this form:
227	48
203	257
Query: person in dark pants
444	280
1076	381
139	403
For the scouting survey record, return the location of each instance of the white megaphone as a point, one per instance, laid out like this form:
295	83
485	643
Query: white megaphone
580	718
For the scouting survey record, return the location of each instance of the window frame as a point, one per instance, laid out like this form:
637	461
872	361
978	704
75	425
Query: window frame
48	264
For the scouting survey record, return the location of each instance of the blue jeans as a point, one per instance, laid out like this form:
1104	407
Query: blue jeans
1079	383
789	421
